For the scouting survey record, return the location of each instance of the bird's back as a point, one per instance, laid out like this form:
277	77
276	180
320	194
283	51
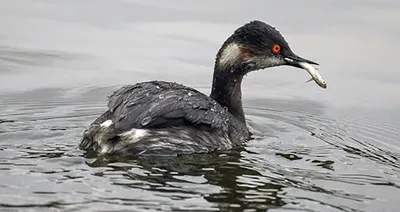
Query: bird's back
162	117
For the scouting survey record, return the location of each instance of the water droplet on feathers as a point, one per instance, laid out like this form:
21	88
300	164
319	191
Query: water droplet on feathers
121	117
130	104
146	120
226	121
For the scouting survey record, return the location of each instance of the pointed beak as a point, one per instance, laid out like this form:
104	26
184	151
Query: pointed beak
296	61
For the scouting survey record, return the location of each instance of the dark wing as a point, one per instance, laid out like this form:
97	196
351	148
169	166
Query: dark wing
158	104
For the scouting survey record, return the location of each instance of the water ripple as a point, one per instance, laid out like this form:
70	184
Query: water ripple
297	160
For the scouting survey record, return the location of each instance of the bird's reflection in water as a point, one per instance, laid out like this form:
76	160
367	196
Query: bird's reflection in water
218	177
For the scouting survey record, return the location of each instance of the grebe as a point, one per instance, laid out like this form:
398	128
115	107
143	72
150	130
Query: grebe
158	117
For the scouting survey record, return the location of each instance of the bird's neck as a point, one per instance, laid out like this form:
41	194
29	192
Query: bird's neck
226	90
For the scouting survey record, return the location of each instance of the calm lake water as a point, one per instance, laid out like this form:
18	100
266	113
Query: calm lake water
314	150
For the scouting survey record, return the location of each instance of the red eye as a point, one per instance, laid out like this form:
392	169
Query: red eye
276	48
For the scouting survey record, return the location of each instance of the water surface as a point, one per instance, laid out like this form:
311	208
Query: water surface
313	149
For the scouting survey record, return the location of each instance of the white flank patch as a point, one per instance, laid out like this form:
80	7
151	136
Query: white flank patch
105	149
106	123
133	135
229	54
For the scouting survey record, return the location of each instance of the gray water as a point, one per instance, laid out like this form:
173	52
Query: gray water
314	150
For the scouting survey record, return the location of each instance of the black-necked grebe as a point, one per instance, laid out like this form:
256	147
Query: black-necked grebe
160	117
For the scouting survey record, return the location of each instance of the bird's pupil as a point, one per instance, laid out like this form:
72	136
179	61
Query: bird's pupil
276	48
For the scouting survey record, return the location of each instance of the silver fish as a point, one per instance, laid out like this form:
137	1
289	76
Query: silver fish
315	75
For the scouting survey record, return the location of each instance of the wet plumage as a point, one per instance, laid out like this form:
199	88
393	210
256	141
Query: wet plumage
174	119
160	117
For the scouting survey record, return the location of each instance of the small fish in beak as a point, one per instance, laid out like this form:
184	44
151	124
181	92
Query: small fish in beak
296	61
315	75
